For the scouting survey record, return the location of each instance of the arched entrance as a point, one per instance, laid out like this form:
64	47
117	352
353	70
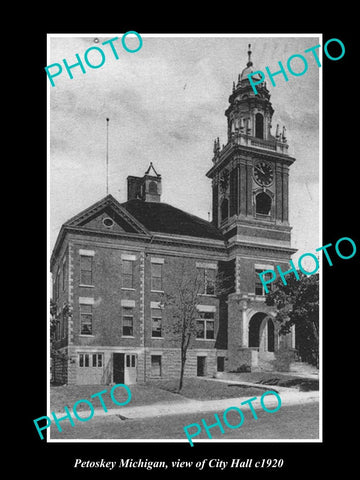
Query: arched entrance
254	329
262	332
270	335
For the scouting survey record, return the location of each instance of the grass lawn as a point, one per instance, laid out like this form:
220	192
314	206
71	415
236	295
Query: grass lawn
67	395
293	422
207	389
156	391
276	378
149	393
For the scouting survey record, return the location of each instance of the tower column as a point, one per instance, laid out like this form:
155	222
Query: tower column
249	171
234	183
285	187
279	190
243	188
245	337
252	201
215	203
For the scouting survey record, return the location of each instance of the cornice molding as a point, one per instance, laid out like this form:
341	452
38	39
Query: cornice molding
231	148
100	205
150	238
260	248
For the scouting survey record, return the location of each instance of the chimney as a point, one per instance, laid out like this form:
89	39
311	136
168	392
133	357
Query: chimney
134	187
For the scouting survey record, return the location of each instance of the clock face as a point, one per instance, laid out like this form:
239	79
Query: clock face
263	174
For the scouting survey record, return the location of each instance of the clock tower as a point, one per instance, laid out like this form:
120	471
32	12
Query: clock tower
250	206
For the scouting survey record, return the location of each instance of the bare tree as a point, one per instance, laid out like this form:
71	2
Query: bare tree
181	300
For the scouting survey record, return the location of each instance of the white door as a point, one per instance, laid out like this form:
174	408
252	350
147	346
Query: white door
130	368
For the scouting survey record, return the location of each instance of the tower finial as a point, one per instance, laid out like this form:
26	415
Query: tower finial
249	54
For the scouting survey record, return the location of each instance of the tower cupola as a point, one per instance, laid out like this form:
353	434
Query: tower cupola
250	172
146	188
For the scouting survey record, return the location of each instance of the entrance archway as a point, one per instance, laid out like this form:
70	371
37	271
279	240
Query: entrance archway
261	332
270	335
254	329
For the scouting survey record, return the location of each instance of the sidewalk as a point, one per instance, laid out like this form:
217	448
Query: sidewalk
289	396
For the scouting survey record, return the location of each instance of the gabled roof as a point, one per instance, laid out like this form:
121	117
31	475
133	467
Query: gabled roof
137	217
112	208
164	218
91	220
151	167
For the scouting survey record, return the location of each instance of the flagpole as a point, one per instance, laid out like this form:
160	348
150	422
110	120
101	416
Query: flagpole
107	156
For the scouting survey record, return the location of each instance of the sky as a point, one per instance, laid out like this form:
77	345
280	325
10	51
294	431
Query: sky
165	105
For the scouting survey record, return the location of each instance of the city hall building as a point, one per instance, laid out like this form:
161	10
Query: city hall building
113	263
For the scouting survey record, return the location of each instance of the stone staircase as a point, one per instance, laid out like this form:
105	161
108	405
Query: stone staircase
304	369
296	368
265	363
263	366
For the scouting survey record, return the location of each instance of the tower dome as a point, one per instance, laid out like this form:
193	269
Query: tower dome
249	68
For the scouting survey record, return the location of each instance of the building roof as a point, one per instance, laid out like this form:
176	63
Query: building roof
164	218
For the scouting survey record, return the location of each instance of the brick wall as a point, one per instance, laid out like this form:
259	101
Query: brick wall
171	363
59	368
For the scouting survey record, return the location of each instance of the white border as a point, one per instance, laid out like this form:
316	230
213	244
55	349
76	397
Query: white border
177	35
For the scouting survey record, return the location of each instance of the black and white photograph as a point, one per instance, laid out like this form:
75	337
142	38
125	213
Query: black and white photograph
195	300
180	186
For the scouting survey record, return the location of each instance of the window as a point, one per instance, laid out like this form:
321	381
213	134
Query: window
156	322
83	359
128	321
91	360
130	361
153	188
224	209
58	283
259	287
86	270
108	222
207	280
156	276
201	366
221	364
64	266
97	360
259	126
57	330
127	274
62	320
60	279
86	319
205	326
156	365
263	203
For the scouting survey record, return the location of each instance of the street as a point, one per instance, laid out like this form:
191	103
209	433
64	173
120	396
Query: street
291	422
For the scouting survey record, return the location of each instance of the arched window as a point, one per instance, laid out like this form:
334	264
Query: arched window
263	203
224	209
153	188
259	126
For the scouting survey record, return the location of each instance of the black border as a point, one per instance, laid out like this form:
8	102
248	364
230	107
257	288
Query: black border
339	220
